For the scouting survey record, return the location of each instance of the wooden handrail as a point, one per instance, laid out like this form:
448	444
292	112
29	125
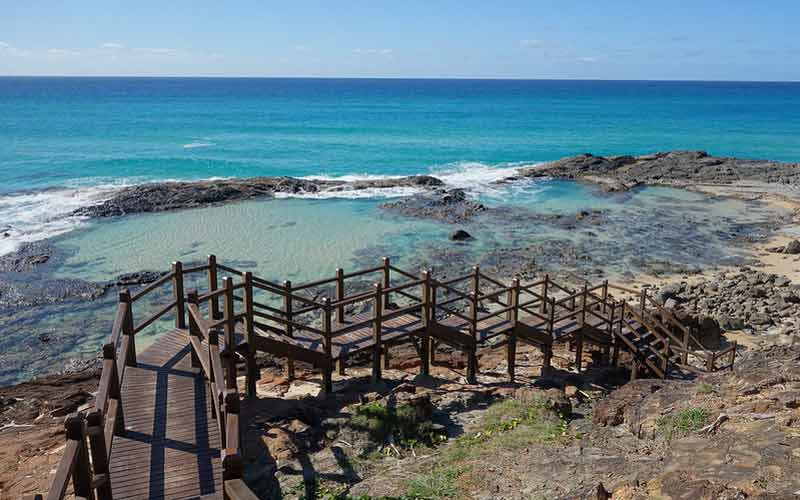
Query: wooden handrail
449	289
152	286
155	316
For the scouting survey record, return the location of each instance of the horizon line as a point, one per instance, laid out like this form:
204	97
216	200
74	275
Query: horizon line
499	78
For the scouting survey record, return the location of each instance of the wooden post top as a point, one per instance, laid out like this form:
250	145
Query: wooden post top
73	424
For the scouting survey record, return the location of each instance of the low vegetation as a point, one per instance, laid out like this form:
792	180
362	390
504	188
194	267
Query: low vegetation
401	425
682	422
506	426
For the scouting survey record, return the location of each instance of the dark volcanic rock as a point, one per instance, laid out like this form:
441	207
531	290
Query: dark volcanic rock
460	235
27	257
16	294
137	278
619	173
448	206
793	247
164	196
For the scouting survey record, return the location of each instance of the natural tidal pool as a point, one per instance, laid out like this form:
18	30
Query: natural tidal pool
548	225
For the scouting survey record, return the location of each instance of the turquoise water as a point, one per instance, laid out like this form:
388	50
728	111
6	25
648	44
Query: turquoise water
57	131
80	137
69	142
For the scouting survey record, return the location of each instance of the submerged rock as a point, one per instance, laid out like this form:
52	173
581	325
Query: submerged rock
451	206
460	235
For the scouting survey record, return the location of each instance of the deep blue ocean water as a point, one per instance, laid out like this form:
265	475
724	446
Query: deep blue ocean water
65	131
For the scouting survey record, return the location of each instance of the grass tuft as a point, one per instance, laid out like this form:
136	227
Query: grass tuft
683	422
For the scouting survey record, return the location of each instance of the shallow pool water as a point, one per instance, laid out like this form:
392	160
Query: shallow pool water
622	234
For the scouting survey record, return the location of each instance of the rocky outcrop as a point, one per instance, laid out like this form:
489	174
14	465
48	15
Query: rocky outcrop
675	167
453	206
165	196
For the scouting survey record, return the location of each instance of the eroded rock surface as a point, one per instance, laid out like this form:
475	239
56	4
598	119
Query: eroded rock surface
165	196
674	167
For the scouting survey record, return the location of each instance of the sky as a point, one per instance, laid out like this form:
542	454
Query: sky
599	39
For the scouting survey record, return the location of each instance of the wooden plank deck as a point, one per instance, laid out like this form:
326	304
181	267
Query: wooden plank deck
171	445
345	342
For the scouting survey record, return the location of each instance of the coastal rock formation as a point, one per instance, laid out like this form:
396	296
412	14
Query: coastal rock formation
453	206
26	258
671	168
165	196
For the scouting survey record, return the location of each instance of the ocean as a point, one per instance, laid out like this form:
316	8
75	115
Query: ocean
69	142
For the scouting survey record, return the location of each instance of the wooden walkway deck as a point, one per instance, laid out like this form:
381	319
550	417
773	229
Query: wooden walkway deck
165	420
171	444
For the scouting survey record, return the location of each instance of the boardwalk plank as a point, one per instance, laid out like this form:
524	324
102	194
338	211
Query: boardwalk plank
170	448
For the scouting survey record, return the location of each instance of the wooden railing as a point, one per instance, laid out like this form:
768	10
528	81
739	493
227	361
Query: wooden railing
219	368
92	434
683	341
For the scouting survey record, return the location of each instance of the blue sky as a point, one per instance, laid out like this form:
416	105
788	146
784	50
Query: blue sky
609	39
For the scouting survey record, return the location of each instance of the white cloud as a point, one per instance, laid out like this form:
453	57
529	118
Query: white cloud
588	59
63	52
8	49
301	48
382	52
157	51
531	44
112	46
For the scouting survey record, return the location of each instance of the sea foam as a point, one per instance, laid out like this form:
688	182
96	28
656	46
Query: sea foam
35	216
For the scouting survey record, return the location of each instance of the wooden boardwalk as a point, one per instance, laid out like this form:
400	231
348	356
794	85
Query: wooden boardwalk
171	444
165	421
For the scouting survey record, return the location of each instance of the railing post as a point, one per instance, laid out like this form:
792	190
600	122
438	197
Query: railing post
472	355
213	285
192	298
177	294
249	330
605	295
97	443
115	387
231	406
513	303
544	293
426	314
127	328
377	325
229	330
584	297
386	280
339	294
288	328
327	370
643	301
81	474
685	355
215	385
432	319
